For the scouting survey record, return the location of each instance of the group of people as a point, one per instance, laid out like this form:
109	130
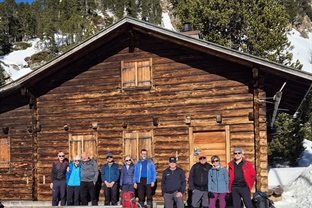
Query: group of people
74	183
207	182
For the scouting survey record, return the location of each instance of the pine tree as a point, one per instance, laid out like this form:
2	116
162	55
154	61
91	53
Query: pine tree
255	27
287	145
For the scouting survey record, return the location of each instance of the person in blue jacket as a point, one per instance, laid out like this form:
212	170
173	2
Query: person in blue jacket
218	183
110	177
144	178
126	177
73	177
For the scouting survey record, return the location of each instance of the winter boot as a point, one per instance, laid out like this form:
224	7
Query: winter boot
141	203
149	204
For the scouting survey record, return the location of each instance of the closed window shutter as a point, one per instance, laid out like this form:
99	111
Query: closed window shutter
136	74
83	143
4	152
135	141
130	145
144	73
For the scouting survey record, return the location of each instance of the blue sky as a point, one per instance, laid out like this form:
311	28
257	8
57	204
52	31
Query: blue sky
19	1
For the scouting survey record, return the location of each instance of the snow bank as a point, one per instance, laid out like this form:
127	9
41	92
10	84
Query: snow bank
284	176
300	191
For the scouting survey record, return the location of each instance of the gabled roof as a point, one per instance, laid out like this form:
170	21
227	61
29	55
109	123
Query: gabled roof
279	74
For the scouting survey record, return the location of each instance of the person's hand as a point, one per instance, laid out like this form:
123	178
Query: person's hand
179	194
51	185
107	184
135	185
152	184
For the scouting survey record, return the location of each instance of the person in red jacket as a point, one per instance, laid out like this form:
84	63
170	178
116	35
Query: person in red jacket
242	178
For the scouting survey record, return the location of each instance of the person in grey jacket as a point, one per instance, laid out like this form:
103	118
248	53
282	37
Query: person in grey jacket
89	176
218	183
173	184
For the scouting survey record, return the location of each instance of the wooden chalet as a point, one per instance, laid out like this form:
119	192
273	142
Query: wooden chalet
135	85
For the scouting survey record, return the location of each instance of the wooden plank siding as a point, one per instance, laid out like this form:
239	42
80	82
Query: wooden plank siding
184	82
18	174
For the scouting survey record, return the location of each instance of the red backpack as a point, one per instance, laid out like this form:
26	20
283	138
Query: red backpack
128	200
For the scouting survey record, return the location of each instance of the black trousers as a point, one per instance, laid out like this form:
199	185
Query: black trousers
241	192
111	194
85	188
59	191
144	189
73	195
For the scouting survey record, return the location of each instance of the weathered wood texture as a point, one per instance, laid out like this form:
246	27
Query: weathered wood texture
184	83
16	181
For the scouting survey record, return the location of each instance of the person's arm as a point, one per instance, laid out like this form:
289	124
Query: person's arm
163	183
190	181
121	175
52	176
183	182
153	172
117	173
209	180
226	178
96	170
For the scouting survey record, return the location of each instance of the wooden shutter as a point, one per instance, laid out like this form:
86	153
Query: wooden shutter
128	73
83	143
90	146
136	73
135	141
130	145
144	73
4	152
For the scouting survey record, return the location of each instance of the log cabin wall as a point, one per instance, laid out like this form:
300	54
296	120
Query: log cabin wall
16	170
184	83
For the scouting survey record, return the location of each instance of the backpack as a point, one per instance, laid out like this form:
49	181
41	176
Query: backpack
128	200
261	200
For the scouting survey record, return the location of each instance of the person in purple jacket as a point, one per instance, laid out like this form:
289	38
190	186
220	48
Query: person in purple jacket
126	177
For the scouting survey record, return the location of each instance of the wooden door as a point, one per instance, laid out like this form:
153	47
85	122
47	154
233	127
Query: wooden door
213	142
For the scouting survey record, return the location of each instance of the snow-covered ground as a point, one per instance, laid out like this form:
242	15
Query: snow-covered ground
297	182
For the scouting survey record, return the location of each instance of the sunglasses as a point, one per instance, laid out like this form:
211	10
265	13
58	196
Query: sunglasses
61	155
215	161
202	158
237	153
77	160
127	160
108	157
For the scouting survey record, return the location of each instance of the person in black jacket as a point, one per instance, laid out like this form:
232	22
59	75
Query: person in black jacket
173	184
198	182
58	180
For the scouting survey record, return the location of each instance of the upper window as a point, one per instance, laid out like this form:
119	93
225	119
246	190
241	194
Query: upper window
137	140
4	152
136	74
83	143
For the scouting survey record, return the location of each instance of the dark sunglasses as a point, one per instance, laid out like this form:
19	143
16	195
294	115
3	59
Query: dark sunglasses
127	160
108	157
202	158
237	153
77	160
61	155
215	161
